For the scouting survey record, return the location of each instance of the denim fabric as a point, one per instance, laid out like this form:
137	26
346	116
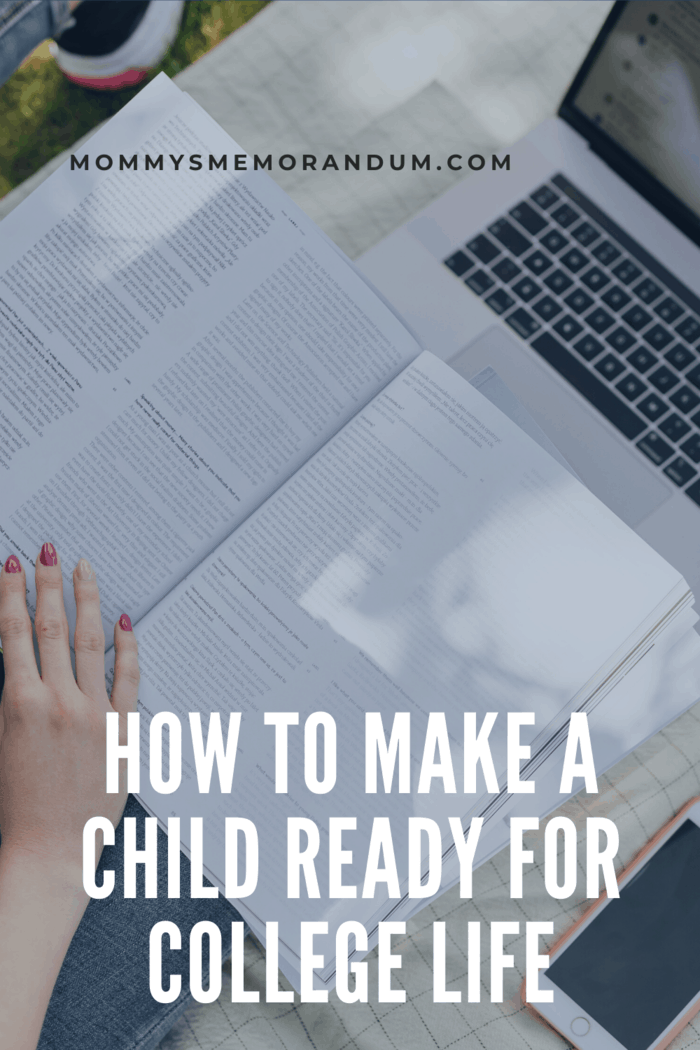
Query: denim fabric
23	25
102	998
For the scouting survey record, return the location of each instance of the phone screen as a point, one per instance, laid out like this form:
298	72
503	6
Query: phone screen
637	965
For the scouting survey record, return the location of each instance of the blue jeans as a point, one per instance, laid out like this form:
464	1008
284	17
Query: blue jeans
23	26
102	998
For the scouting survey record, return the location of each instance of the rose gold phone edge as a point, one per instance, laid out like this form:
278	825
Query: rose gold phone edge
638	860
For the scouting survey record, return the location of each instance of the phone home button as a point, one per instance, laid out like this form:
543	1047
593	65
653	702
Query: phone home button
580	1026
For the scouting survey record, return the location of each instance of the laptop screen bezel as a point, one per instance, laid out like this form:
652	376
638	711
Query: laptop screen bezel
617	158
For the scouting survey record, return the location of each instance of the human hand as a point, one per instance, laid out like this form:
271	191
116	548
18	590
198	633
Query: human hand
52	727
52	777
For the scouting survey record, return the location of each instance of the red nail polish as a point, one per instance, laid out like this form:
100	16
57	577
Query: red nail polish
48	555
12	564
125	622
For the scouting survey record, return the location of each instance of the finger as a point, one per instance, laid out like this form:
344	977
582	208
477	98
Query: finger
50	620
15	625
89	636
125	690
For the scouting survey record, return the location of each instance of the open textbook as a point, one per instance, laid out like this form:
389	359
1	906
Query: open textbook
303	510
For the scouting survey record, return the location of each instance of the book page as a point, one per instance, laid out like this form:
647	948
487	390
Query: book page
174	344
430	558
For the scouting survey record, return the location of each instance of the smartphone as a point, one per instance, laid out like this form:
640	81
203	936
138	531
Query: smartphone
627	975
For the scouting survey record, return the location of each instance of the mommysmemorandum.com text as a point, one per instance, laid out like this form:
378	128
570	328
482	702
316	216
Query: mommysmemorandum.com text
288	162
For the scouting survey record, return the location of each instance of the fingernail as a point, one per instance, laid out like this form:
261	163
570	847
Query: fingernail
84	570
125	622
48	555
12	564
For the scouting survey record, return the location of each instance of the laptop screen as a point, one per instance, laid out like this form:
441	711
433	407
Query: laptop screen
637	98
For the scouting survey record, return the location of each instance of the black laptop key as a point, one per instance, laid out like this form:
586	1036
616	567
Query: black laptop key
544	197
600	320
689	329
668	310
631	386
523	323
636	317
606	253
574	260
459	263
680	471
585	234
483	248
610	367
691	447
588	347
653	407
568	328
654	446
694	491
558	281
538	262
685	399
663	379
595	279
647	290
565	215
693	376
593	389
674	427
509	237
499	301
578	300
479	282
616	298
554	241
642	359
620	339
527	289
528	218
547	308
657	336
680	356
625	271
506	270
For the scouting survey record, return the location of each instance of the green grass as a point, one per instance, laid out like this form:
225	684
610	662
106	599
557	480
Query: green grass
41	113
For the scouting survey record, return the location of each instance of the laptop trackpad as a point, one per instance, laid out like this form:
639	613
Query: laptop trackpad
610	469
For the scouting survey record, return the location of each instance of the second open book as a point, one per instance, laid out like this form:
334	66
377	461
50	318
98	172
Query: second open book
302	510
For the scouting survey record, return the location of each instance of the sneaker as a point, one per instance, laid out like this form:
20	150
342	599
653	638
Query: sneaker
114	43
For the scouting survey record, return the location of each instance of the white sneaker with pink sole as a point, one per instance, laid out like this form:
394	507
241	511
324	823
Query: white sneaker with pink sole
151	29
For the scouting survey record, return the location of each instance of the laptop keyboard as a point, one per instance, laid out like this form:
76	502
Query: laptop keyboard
603	312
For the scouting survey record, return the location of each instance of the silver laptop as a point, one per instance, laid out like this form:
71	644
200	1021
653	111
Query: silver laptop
576	274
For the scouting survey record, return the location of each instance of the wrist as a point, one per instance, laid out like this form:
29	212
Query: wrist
56	878
41	904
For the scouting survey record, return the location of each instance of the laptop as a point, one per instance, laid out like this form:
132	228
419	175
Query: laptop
576	274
